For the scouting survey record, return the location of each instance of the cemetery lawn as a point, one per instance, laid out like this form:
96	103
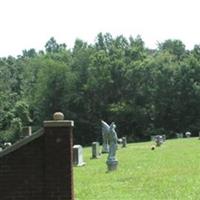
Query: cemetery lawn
171	171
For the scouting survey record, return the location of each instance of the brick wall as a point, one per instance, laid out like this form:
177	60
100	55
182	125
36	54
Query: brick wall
39	167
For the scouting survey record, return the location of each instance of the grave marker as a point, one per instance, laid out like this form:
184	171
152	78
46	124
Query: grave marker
179	135
78	155
158	140
188	134
95	150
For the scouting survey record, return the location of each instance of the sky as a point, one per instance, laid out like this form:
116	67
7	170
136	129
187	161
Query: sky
27	24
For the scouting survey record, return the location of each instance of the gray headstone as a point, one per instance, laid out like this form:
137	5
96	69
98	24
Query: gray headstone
164	138
153	137
95	150
78	155
179	135
26	131
161	138
158	140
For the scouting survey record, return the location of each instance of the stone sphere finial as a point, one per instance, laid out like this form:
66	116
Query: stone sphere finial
58	116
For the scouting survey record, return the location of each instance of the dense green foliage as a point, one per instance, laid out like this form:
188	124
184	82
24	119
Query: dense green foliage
144	91
170	172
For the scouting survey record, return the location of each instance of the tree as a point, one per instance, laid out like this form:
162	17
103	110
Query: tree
53	47
175	47
52	89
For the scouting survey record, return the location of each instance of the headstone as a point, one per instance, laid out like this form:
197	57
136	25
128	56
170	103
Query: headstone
78	155
164	138
119	141
95	150
124	142
7	144
179	135
1	149
187	134
153	137
158	140
26	131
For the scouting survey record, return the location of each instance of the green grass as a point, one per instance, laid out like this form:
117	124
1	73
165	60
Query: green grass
171	171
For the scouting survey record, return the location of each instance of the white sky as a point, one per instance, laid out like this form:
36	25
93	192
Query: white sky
26	24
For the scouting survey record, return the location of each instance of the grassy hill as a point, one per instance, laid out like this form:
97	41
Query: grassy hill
171	171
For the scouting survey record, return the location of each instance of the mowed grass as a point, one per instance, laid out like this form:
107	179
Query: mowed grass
171	171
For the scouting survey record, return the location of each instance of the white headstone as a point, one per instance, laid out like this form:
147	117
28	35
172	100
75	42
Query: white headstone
153	137
95	150
179	135
187	134
26	131
7	144
78	155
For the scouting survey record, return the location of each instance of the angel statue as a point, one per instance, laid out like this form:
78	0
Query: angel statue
110	138
105	131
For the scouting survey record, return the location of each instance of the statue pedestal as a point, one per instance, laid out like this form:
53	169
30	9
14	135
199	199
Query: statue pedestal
112	165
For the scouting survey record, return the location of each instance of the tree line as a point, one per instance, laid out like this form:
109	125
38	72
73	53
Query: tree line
144	91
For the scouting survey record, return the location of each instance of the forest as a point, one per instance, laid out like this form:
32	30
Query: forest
117	79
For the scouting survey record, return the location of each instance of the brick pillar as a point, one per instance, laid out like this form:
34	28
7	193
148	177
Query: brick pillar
58	169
